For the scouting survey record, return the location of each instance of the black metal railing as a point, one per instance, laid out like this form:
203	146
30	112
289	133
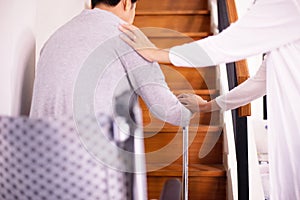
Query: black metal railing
239	123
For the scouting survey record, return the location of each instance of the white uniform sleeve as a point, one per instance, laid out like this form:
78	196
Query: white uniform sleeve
246	92
267	25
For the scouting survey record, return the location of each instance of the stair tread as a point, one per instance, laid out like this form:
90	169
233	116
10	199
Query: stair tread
172	5
211	92
171	129
201	92
181	23
190	21
172	12
169	34
213	170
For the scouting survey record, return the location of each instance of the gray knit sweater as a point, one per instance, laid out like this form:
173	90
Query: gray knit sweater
85	68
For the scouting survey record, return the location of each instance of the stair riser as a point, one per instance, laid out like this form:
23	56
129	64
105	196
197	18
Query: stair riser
208	188
180	23
160	140
165	43
189	20
172	5
203	119
189	78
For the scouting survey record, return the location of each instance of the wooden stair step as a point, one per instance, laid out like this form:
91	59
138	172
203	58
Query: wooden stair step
197	34
194	170
181	23
167	140
206	182
181	78
168	23
171	12
204	92
165	38
210	118
166	34
175	129
172	5
166	43
200	188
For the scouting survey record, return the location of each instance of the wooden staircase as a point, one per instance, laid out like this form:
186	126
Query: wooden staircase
190	21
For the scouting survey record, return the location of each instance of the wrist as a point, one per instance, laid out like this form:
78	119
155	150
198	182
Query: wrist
209	106
204	107
153	57
214	105
159	55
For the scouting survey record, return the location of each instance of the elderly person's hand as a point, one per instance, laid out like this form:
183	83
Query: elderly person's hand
196	103
191	102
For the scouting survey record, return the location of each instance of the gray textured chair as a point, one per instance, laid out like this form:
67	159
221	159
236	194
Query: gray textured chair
46	160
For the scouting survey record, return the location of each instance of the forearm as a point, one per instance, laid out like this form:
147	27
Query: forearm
189	55
149	83
160	55
164	105
209	106
246	92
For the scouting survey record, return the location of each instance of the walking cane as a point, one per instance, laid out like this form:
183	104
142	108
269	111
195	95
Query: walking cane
185	161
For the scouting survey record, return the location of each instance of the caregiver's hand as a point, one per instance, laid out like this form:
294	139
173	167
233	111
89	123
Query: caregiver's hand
134	37
195	103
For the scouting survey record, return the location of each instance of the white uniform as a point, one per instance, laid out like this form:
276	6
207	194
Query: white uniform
272	27
246	92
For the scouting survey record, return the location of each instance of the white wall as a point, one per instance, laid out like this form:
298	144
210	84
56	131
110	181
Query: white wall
25	26
51	14
17	45
5	57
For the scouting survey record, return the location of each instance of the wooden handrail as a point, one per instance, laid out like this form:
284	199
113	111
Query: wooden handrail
242	71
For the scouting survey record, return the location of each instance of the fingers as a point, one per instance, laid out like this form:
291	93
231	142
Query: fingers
180	96
129	27
126	39
131	31
128	33
183	95
183	101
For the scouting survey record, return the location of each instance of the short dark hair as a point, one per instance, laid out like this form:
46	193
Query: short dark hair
108	2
